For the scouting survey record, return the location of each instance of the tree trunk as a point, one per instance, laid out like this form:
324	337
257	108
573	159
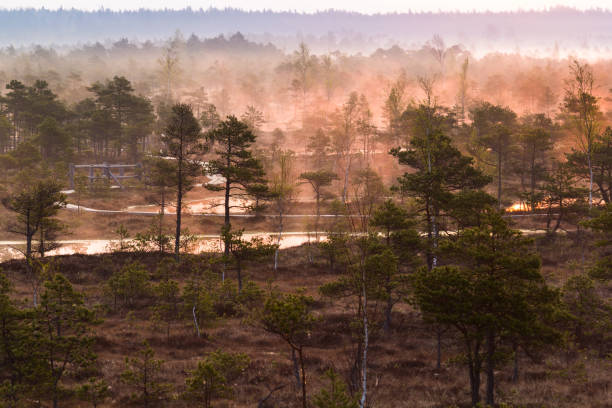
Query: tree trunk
346	177
474	370
226	205
318	216
239	275
162	211
296	368
41	246
438	349
195	321
364	362
301	355
490	397
278	241
590	176
515	368
429	254
388	309
533	181
179	204
29	235
499	178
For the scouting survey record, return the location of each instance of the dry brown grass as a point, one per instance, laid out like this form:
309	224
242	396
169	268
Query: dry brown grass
402	365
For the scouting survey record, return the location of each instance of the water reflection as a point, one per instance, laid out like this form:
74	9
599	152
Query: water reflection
205	243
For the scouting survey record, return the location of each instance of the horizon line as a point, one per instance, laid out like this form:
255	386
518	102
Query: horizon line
313	12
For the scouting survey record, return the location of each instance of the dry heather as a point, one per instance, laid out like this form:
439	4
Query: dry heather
402	369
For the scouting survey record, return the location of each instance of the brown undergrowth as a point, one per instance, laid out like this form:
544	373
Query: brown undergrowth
401	367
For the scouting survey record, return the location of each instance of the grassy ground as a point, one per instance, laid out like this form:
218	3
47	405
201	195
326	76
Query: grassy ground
401	365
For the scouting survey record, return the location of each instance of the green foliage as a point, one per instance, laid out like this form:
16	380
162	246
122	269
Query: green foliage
26	155
182	138
214	377
36	202
160	174
243	173
562	198
288	316
602	225
467	207
16	343
200	295
440	170
6	129
336	396
187	241
243	251
129	285
318	180
117	116
95	391
494	293
123	234
167	268
167	304
210	117
335	249
232	302
319	145
589	319
399	231
63	342
535	142
54	141
30	107
154	239
390	217
142	373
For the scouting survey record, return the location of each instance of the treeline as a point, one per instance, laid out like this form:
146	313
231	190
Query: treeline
521	153
72	26
221	69
113	120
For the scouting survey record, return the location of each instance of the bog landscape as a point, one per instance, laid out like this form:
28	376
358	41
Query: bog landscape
226	208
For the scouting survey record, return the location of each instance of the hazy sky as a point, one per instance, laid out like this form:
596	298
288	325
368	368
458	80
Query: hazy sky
364	6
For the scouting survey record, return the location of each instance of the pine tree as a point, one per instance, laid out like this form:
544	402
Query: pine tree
16	342
602	225
494	128
214	377
182	139
63	340
492	294
589	319
336	396
94	391
166	309
440	170
243	173
318	180
289	317
142	373
242	251
36	203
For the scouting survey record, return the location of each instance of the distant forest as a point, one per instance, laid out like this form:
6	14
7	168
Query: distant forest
324	31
